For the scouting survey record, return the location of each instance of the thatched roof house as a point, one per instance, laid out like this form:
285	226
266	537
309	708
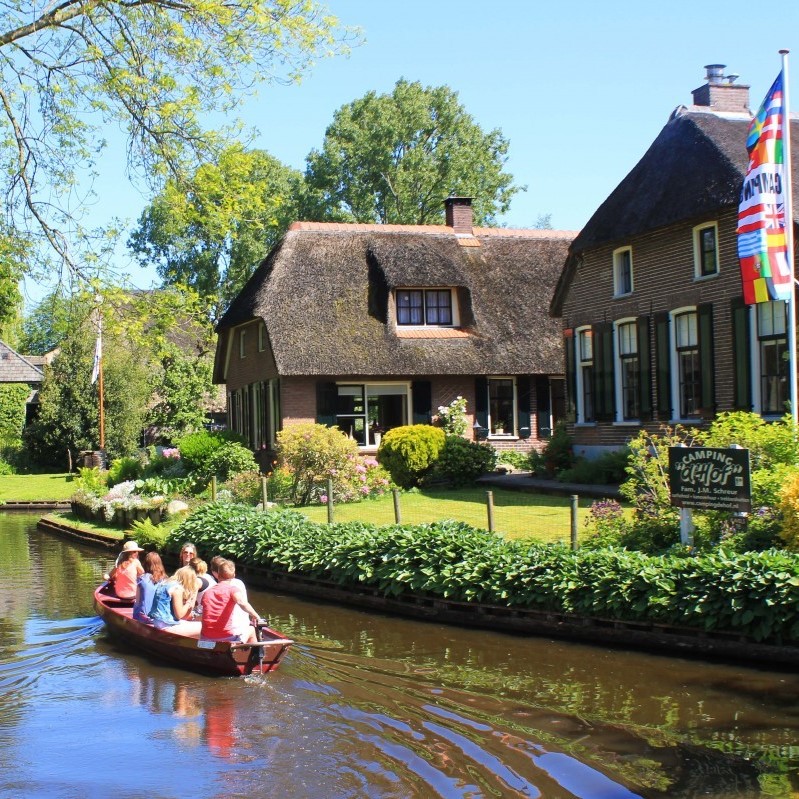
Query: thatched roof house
23	375
327	298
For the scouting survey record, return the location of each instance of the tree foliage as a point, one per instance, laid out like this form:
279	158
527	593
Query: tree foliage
394	158
211	231
152	69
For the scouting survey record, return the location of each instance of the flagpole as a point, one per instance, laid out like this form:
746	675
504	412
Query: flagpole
100	395
786	144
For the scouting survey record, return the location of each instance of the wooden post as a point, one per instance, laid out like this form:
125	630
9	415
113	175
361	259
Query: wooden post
397	511
213	489
490	509
264	492
575	500
329	500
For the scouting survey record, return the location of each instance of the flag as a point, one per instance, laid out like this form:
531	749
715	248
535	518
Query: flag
98	354
762	248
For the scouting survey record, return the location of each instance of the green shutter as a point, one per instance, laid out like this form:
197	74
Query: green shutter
604	388
706	360
569	346
663	365
741	356
422	393
543	408
326	400
644	368
523	405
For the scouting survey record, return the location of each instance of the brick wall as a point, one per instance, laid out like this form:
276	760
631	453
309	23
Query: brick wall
254	366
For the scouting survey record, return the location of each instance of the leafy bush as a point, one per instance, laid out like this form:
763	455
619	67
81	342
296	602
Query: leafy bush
753	594
279	484
196	448
313	453
461	462
226	461
409	453
452	417
245	487
92	480
610	468
518	460
558	454
123	469
789	507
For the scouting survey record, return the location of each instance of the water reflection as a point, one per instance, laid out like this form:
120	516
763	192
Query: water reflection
366	706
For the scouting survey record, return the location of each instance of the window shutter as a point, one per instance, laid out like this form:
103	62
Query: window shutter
705	331
569	346
326	399
481	402
524	405
603	372
422	401
644	367
663	364
742	365
543	408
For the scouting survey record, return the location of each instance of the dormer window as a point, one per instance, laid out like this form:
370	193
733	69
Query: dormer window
623	272
422	307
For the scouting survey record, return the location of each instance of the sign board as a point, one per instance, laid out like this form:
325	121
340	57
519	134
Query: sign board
709	478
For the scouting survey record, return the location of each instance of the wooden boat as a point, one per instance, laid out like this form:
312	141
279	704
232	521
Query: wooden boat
190	651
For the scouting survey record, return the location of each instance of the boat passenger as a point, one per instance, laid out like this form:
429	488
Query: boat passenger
206	580
219	601
187	552
127	571
173	599
240	618
154	573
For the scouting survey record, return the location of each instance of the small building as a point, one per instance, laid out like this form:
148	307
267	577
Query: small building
655	328
26	374
369	327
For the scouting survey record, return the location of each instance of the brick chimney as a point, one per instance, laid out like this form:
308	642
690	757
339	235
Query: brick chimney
721	93
458	214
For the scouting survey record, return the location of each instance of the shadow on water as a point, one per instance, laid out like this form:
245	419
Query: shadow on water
366	706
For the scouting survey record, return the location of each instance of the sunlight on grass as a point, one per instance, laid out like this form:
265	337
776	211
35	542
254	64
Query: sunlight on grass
36	487
516	514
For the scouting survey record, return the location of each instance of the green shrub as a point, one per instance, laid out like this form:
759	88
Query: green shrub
461	462
279	484
518	460
226	461
245	487
123	469
452	418
558	454
196	448
312	453
409	453
92	480
610	468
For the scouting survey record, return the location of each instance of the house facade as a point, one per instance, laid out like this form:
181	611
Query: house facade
20	378
370	327
655	328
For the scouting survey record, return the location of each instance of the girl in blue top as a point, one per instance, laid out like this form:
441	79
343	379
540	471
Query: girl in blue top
154	573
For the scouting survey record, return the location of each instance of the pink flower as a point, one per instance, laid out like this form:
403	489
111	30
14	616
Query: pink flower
323	499
364	489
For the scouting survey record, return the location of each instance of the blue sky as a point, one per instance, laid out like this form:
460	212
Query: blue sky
579	88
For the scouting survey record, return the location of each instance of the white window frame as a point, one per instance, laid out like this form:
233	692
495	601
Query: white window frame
261	337
617	273
242	343
697	236
578	367
453	299
755	360
674	388
369	441
617	371
514	412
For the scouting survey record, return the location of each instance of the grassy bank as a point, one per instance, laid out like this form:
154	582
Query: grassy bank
36	487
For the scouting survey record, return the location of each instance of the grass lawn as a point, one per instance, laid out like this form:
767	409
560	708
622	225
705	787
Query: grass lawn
517	514
35	487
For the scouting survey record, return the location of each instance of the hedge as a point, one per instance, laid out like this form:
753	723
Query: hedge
755	594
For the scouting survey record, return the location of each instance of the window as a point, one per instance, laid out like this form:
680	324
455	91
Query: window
623	271
706	261
425	307
772	348
365	411
261	337
585	375
501	406
242	343
689	371
628	373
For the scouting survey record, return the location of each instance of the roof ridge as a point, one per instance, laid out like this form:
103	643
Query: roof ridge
434	230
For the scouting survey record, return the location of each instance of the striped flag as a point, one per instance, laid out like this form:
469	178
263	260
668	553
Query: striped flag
762	250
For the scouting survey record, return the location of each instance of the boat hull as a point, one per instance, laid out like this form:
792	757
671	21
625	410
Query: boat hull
212	657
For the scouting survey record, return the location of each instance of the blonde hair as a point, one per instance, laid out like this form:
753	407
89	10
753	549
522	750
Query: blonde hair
190	582
199	565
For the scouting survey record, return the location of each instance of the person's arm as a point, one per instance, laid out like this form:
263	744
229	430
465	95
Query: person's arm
181	609
242	602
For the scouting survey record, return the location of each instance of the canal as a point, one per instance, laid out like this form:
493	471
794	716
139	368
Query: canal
365	706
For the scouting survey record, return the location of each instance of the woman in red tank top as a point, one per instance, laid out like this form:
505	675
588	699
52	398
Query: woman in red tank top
127	571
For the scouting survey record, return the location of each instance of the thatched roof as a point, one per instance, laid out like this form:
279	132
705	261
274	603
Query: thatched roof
324	291
693	169
15	368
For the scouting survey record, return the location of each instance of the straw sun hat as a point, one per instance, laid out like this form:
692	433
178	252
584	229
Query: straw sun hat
131	546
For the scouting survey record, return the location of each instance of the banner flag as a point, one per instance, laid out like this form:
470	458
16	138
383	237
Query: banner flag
762	246
98	354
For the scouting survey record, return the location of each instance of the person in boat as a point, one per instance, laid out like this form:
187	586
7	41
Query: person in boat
154	573
187	552
125	574
240	618
173	598
206	580
219	622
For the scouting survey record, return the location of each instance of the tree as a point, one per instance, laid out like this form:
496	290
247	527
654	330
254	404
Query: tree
12	254
151	68
394	158
210	232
